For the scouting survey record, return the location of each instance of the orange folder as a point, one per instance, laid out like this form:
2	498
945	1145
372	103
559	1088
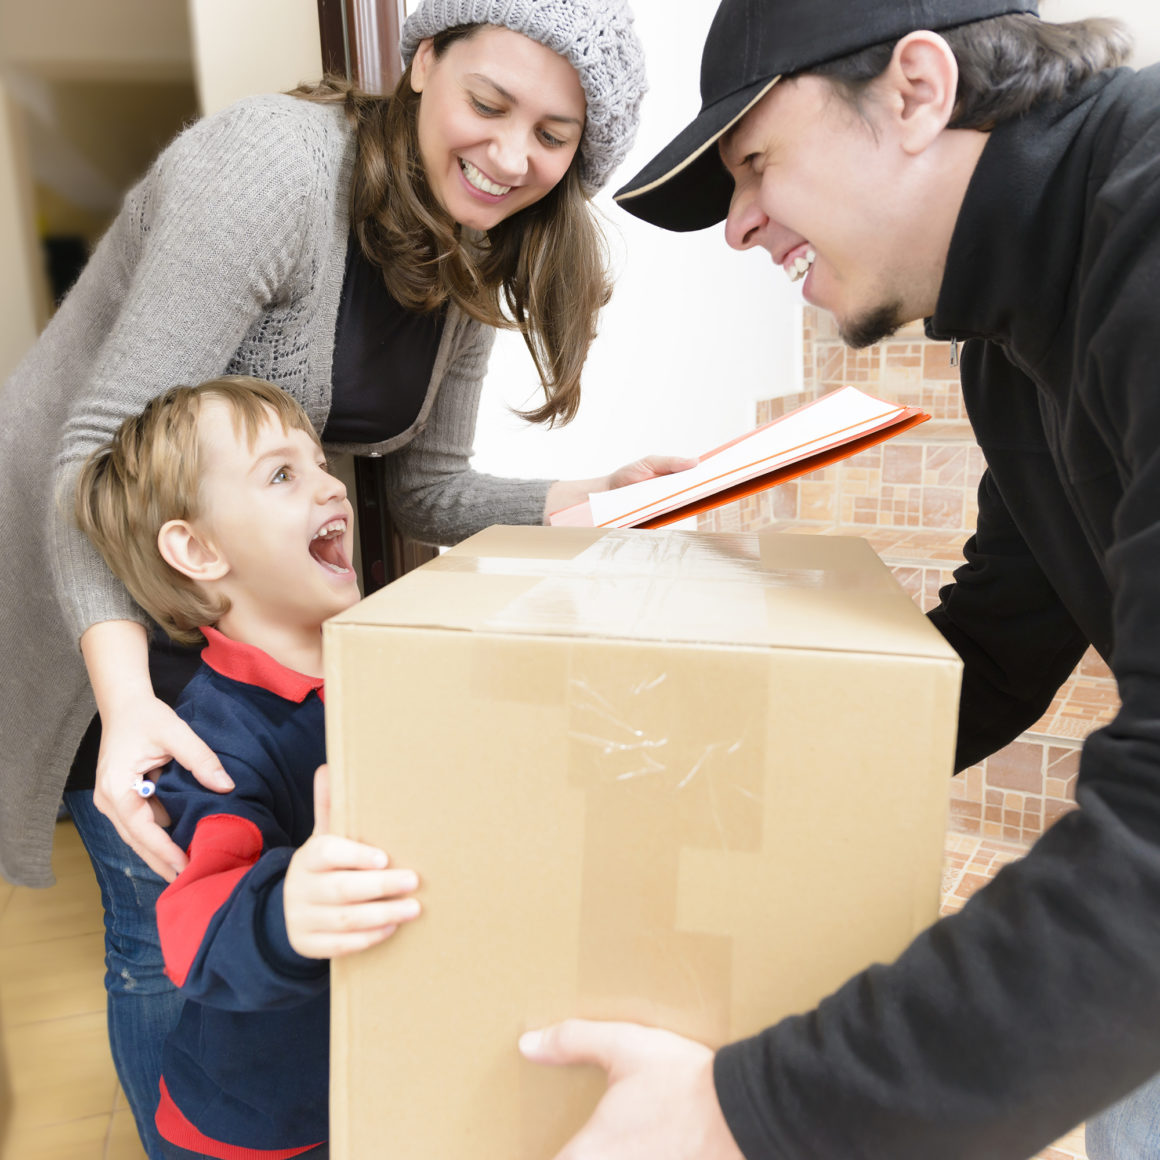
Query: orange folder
747	477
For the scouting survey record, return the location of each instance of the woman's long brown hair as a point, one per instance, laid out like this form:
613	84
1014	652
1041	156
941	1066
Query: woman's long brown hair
543	271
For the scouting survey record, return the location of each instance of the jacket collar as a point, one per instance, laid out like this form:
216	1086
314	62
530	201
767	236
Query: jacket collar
251	666
1013	250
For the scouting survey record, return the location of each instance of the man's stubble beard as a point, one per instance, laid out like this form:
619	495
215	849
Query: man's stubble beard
871	328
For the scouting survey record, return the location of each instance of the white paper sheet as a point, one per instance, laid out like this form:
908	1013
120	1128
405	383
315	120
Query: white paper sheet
836	418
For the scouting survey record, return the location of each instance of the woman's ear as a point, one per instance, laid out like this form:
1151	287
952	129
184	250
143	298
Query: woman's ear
190	552
925	77
421	64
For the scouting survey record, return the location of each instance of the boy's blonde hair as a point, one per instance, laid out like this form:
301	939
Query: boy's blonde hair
150	473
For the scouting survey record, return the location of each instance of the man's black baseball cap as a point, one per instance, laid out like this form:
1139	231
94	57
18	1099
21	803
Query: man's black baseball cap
751	45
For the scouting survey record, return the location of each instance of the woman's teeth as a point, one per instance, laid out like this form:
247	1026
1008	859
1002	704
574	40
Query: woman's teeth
483	184
801	266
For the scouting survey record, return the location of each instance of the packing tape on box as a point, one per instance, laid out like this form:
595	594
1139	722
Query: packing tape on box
721	558
641	585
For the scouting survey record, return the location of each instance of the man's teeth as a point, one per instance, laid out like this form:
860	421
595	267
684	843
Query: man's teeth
801	266
480	182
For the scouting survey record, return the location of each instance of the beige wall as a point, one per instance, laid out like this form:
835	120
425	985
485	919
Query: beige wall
23	305
252	46
96	38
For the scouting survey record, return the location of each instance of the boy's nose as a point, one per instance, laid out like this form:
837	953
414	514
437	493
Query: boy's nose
329	486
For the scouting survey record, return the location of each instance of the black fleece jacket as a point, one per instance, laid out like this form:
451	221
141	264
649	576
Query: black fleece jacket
1039	1003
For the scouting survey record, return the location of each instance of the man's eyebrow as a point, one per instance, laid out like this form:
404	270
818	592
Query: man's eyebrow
512	100
725	143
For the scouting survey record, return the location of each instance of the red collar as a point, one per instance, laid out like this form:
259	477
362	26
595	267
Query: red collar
251	666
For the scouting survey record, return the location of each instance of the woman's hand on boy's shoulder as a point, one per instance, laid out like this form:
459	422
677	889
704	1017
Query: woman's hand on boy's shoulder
342	896
134	742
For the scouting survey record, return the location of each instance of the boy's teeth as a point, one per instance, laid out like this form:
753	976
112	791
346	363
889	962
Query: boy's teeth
335	527
480	182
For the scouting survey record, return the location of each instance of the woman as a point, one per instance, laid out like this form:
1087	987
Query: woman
359	252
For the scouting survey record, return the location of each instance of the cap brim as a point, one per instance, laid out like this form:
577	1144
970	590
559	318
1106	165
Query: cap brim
686	186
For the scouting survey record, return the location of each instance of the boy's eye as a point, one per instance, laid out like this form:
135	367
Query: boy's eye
282	475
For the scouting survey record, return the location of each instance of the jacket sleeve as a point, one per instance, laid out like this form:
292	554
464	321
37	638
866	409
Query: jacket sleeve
209	239
221	921
435	495
1017	641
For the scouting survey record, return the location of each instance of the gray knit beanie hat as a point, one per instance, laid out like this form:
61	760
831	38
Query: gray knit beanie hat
596	36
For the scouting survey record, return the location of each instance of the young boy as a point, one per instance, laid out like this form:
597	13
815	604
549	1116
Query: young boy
215	508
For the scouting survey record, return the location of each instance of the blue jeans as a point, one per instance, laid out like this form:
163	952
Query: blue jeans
1129	1130
143	1005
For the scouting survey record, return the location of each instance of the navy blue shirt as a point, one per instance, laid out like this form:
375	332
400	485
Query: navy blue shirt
248	1064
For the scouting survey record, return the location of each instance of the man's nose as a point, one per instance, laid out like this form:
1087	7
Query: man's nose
747	220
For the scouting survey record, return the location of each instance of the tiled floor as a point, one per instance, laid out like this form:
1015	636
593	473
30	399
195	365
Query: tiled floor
66	1102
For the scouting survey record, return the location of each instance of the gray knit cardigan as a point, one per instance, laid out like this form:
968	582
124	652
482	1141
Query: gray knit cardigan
228	257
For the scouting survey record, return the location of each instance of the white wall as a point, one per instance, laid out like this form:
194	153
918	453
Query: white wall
241	47
695	332
1141	16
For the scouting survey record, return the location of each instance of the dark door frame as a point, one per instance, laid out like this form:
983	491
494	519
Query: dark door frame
360	41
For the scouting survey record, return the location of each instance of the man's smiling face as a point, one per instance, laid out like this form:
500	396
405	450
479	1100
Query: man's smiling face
817	185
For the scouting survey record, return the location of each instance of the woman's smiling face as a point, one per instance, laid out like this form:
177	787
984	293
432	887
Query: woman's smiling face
500	120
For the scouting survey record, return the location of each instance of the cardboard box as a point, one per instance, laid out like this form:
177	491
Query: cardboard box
691	780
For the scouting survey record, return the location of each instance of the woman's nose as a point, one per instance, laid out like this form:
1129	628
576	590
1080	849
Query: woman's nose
509	156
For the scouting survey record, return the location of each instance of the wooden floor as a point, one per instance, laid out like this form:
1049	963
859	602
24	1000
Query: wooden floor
66	1103
65	1100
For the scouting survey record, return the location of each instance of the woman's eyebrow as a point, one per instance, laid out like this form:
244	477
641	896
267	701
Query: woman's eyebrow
513	100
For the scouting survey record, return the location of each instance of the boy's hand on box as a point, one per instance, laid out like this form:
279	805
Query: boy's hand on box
339	896
660	1101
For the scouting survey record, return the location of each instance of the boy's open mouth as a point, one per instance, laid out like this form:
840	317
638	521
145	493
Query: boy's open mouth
326	547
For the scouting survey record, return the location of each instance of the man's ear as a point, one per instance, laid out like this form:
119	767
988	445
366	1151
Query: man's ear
421	64
190	552
924	78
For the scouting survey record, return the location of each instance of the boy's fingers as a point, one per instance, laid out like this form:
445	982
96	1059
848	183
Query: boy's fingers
357	886
322	800
328	852
335	946
364	916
